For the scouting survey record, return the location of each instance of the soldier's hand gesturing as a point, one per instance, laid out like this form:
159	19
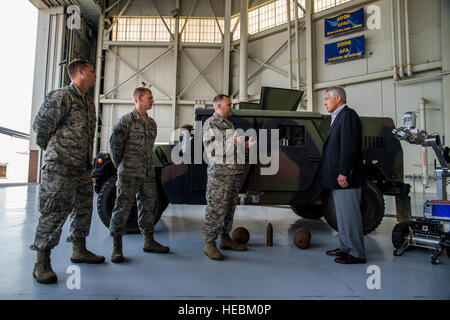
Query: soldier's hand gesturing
237	139
250	143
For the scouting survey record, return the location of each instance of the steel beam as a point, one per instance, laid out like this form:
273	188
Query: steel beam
167	27
98	76
190	14
297	48
154	44
14	133
309	55
268	66
250	2
162	55
288	16
176	45
112	6
205	69
215	18
265	64
226	49
243	58
157	102
198	70
202	45
134	70
445	47
39	4
119	15
261	66
236	25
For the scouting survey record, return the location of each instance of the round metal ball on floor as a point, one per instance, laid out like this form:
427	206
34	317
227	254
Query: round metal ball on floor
240	235
302	238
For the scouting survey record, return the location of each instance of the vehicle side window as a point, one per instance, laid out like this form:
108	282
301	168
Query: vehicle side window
292	136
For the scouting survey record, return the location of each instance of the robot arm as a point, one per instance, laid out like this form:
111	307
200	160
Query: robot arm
409	133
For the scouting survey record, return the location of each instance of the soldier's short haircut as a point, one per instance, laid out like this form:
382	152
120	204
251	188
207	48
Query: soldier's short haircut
337	91
139	92
72	67
218	99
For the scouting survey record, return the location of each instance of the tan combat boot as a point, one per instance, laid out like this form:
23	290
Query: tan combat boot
81	255
150	245
212	252
226	243
117	255
42	270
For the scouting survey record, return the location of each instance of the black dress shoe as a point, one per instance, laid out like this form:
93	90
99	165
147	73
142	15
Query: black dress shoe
336	253
349	259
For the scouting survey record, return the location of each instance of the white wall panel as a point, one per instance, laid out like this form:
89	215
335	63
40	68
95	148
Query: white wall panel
365	98
379	56
389	102
157	74
186	115
198	59
426	46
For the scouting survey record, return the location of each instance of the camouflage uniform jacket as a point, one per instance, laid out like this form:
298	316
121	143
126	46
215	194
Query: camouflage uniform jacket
212	125
131	145
65	128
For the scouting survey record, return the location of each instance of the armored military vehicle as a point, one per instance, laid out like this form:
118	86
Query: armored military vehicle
297	182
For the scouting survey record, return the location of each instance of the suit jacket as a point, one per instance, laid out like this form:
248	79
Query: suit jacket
342	152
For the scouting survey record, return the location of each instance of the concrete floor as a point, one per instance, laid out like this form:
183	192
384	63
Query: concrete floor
279	272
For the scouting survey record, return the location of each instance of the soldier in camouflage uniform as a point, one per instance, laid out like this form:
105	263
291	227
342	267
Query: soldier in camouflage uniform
222	189
131	144
65	126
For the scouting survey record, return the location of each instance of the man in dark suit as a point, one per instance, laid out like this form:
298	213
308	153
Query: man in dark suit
343	174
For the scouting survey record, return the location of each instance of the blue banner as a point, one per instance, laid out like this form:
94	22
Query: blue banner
345	49
344	23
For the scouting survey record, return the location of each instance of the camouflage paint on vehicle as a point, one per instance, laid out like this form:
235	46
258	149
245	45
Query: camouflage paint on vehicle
301	135
297	180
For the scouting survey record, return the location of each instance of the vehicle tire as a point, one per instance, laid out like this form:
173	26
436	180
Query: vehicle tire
105	206
372	208
308	210
399	233
435	261
107	198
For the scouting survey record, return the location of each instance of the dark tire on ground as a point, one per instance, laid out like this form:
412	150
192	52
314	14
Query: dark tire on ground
308	210
399	233
372	208
105	206
106	200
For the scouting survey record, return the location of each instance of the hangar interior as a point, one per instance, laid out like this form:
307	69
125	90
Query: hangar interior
191	50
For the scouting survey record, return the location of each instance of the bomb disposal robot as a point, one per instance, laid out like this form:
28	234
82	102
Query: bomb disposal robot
432	231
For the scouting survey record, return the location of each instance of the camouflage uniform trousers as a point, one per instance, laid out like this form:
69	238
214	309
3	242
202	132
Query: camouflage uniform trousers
63	195
129	190
222	192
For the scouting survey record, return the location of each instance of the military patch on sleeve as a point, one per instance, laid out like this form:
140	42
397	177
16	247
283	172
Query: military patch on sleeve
50	102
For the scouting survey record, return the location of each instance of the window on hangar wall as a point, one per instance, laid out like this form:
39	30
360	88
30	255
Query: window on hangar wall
153	29
273	13
260	18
